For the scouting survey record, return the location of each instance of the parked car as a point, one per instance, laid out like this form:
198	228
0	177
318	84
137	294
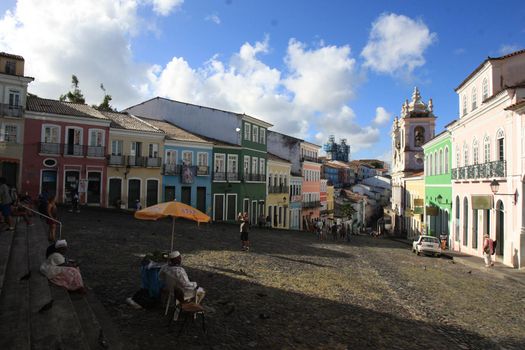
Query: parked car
426	245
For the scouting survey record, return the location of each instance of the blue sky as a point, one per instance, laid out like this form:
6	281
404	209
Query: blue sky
312	68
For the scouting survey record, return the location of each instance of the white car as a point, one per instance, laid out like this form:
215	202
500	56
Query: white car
426	245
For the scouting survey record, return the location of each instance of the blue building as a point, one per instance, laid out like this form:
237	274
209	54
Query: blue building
332	174
296	195
186	175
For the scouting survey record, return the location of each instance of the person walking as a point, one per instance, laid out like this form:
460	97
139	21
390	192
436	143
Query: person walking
488	250
244	229
52	212
5	203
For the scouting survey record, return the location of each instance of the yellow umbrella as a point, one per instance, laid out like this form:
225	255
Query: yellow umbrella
173	209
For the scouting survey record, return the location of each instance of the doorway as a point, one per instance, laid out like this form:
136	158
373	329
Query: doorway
93	187
49	182
70	184
10	172
218	207
186	195
152	192
201	199
133	192
500	228
115	192
169	193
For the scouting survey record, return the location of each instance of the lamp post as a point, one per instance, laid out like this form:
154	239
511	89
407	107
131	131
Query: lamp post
494	187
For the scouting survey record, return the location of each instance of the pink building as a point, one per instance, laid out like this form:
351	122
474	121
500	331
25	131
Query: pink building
311	172
489	149
65	149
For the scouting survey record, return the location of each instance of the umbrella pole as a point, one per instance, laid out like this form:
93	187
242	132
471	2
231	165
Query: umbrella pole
172	232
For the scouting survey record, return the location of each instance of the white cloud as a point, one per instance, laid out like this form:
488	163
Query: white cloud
165	7
505	49
382	116
213	18
396	44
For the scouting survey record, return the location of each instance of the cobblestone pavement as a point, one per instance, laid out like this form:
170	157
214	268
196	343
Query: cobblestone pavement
293	292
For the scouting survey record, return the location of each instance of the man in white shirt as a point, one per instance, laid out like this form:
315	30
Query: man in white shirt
174	273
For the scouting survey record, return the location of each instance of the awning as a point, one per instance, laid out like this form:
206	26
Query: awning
432	211
482	201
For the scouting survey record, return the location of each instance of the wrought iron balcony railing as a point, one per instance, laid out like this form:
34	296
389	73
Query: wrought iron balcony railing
225	176
50	148
116	160
481	171
278	189
311	204
203	170
153	162
254	177
310	159
73	150
135	161
96	151
11	111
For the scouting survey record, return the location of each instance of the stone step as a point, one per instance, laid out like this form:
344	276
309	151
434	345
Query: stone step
111	333
14	305
6	241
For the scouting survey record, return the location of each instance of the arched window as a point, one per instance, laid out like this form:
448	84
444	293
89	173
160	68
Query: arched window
465	221
465	155
434	170
430	157
475	152
419	136
440	162
446	161
474	98
456	233
464	110
425	166
486	148
500	142
485	89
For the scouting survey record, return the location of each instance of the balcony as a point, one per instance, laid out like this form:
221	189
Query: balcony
96	151
136	161
50	148
254	177
310	159
203	170
311	204
153	162
115	160
224	176
73	150
7	110
171	169
481	171
278	189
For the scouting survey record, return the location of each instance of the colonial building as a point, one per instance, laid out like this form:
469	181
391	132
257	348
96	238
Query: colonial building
278	198
438	188
296	195
65	150
410	131
488	171
13	92
414	219
242	139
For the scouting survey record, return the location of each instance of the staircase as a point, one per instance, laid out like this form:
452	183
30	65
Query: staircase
35	314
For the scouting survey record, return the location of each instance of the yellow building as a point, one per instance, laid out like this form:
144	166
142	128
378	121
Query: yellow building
415	205
13	92
330	201
278	193
134	162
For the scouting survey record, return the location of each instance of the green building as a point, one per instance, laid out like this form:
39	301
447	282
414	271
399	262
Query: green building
438	187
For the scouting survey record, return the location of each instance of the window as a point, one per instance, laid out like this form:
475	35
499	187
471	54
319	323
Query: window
485	89
232	163
187	158
440	163
220	163
96	138
14	98
153	150
465	155
202	159
464	104
255	164
419	136
10	67
446	161
262	166
116	147
465	221
51	134
500	136
486	146
136	149
255	137
246	165
262	136
474	98
457	219
475	152
9	133
247	131
171	157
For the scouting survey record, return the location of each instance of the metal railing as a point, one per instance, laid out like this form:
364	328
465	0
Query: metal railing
225	176
278	189
153	162
50	148
116	160
95	151
203	170
73	150
11	111
311	204
481	171
135	161
171	169
47	217
310	159
254	177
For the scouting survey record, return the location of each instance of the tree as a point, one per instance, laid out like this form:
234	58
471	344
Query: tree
74	96
347	210
105	106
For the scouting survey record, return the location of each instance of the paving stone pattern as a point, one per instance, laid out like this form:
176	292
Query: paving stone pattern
294	292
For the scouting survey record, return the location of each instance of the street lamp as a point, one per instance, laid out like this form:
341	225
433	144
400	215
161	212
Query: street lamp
494	187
